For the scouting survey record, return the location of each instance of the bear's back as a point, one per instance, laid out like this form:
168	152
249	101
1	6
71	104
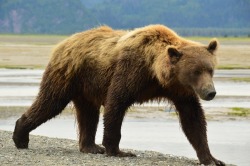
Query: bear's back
91	46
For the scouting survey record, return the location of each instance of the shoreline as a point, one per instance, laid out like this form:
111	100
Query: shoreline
142	112
54	151
57	151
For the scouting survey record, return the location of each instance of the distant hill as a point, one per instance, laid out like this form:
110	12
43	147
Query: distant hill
44	16
176	13
64	16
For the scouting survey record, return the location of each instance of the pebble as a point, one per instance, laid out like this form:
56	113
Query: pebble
53	151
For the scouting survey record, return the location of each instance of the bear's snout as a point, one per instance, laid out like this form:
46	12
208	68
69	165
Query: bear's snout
210	95
208	92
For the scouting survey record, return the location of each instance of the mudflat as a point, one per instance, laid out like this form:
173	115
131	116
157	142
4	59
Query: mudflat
33	51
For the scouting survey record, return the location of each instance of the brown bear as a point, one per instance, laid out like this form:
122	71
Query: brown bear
115	69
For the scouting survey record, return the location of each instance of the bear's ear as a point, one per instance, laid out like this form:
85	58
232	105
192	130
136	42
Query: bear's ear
213	46
174	55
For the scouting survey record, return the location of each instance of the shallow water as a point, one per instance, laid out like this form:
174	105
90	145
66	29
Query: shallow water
19	88
229	141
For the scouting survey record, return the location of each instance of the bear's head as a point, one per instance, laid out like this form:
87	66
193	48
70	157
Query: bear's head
194	67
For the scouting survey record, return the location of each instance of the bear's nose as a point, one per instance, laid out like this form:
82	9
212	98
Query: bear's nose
210	95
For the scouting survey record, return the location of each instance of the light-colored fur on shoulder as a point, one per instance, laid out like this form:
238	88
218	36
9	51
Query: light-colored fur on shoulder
152	42
93	46
102	45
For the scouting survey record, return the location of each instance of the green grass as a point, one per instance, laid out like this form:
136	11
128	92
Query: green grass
21	67
244	79
13	67
231	67
219	38
222	40
238	111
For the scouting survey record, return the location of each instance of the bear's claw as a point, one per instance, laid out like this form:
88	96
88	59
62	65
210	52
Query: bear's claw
213	161
94	149
121	154
20	136
21	143
219	163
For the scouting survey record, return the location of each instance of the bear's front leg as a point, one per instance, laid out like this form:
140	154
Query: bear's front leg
129	80
112	131
194	126
117	102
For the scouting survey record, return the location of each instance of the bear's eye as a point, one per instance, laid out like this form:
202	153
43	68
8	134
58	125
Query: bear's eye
211	72
197	72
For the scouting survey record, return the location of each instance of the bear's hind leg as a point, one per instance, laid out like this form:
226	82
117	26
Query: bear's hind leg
88	118
54	95
44	108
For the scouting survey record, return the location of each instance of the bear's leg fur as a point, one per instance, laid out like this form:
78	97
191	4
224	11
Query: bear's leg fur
121	94
51	100
194	126
40	111
113	118
87	117
118	100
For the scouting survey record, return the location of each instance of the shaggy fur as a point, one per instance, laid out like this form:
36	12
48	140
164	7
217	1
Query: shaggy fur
116	69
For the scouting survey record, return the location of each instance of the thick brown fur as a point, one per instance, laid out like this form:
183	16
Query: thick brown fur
116	69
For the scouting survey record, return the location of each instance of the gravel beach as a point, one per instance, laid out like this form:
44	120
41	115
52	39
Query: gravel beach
53	151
